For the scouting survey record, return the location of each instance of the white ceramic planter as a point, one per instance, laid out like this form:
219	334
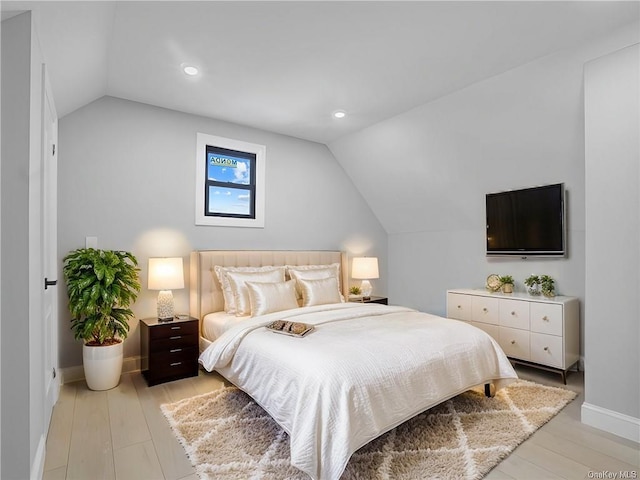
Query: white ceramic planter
102	366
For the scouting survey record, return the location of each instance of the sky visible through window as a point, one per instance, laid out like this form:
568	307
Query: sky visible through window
231	170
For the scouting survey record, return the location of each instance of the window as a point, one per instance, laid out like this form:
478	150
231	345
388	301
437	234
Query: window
230	182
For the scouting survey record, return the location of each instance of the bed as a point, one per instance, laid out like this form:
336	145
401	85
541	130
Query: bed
362	370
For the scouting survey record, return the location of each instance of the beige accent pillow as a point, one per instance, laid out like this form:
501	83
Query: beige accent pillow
313	272
271	297
227	293
238	281
319	292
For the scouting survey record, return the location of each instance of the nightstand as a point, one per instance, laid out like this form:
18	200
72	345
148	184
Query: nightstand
168	350
372	299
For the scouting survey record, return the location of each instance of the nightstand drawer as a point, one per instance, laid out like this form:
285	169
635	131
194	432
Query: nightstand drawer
171	329
175	357
176	341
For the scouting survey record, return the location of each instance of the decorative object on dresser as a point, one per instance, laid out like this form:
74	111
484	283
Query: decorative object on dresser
541	332
101	285
372	299
538	284
169	351
506	283
365	269
165	274
493	283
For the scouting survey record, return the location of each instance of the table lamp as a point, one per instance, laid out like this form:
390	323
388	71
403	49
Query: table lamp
165	274
365	268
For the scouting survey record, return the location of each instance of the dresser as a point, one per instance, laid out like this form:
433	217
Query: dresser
168	350
537	331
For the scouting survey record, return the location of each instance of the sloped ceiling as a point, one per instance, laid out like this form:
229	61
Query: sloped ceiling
286	66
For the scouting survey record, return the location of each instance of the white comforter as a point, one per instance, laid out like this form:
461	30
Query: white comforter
365	369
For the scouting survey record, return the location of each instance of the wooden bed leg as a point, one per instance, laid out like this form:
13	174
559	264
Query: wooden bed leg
487	390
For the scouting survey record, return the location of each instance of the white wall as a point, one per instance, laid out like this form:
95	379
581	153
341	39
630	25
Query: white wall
127	175
23	400
425	174
612	155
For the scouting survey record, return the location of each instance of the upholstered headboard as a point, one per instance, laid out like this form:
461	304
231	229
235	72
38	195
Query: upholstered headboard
205	292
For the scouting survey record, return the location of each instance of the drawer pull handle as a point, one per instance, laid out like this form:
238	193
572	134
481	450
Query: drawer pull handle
513	342
546	349
545	318
177	337
175	328
175	350
176	364
513	313
459	306
485	310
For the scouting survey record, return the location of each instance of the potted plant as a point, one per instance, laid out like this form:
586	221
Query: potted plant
101	284
547	286
533	284
506	283
355	290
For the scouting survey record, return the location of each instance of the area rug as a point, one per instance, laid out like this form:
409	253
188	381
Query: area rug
228	436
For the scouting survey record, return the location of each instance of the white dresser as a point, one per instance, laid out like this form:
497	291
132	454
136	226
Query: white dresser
539	331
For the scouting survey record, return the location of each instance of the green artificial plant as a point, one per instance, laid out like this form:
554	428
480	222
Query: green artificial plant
101	285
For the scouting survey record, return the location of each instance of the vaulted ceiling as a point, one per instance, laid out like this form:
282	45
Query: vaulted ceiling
287	66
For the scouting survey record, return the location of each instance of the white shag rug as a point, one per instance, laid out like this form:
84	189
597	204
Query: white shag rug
228	436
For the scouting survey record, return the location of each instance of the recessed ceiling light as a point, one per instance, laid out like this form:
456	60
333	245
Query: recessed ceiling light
339	114
190	70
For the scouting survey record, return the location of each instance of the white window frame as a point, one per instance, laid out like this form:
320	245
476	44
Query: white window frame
260	151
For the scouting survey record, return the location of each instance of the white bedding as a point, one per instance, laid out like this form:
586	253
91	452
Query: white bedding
365	369
215	324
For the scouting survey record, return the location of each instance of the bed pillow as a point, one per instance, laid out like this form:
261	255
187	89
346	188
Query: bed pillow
271	297
319	292
238	281
227	293
313	272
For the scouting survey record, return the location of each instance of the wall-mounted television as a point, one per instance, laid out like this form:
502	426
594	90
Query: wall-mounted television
527	222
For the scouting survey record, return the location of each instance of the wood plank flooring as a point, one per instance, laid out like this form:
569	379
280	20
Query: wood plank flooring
121	434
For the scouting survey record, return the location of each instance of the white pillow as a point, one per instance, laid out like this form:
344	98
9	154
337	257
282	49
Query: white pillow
320	292
271	297
313	272
227	293
238	281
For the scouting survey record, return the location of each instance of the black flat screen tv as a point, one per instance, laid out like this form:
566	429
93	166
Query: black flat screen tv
527	222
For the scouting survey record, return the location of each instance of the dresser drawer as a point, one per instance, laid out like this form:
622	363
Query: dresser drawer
546	318
514	314
485	310
459	306
171	329
514	342
547	350
492	330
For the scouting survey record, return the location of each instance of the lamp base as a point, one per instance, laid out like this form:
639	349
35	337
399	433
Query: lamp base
165	306
365	289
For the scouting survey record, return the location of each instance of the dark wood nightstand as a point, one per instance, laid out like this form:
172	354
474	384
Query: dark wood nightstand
168	350
372	299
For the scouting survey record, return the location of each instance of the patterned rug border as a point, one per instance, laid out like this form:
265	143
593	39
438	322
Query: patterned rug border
503	451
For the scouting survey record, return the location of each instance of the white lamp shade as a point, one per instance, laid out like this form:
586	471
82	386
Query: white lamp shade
166	273
365	268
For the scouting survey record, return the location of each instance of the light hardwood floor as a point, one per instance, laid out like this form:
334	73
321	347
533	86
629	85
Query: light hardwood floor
122	434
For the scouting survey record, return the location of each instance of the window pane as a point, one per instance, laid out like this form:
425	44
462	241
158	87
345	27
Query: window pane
228	168
229	201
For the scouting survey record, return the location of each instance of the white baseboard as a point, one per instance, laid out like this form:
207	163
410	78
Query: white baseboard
76	374
37	467
619	424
